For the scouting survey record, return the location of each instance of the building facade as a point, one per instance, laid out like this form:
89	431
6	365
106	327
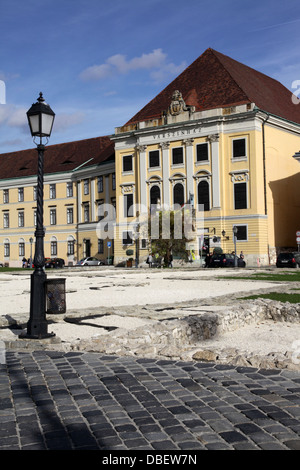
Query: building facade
78	179
222	138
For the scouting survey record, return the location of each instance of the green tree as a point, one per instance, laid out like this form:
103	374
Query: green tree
169	232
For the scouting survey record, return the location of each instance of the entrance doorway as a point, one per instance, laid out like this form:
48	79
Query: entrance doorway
87	248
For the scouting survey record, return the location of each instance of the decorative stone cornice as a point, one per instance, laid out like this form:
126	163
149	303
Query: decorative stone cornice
213	138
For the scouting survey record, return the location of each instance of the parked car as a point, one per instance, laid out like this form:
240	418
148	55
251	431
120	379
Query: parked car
226	260
290	260
90	261
54	263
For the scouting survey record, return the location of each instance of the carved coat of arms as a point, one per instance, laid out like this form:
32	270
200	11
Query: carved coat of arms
177	105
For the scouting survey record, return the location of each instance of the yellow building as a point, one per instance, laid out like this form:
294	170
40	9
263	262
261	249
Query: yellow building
78	177
221	136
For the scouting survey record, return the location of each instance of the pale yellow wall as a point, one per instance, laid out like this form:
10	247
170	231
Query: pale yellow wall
61	231
283	186
252	166
88	231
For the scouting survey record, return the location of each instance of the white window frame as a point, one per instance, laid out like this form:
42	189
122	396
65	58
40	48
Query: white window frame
127	172
6	249
131	237
6	219
70	189
202	162
157	167
243	158
5	196
21	218
247	195
20	194
53	220
21	249
100	186
247	236
86	212
52	191
177	165
70	215
86	187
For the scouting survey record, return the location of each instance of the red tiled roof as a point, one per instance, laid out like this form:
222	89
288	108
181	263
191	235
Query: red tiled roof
214	80
58	158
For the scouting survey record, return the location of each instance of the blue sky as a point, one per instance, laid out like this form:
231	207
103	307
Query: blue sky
98	62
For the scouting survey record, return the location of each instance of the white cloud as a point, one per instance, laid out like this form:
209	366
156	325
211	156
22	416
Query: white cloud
96	72
155	61
167	70
13	116
65	120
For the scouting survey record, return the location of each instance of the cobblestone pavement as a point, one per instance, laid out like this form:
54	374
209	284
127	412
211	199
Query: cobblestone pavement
52	400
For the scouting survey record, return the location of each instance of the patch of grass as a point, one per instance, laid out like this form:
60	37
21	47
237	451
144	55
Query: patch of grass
281	277
280	297
5	270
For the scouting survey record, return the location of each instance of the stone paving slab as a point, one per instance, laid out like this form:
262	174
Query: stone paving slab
50	400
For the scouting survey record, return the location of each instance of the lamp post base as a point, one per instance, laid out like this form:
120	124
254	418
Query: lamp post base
37	326
41	336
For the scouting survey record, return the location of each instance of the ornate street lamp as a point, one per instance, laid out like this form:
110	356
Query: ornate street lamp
31	242
40	118
235	230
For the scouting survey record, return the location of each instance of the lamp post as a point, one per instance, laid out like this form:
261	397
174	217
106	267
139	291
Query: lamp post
235	230
40	118
31	242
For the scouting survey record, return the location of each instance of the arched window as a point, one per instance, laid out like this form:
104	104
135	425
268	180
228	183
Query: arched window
203	195
178	194
154	195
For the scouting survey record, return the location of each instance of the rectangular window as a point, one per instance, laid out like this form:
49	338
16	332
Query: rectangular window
34	193
52	191
6	219
20	219
240	195
128	205
6	250
53	248
21	194
5	196
202	152
86	187
113	176
71	247
70	189
242	233
143	243
239	148
127	238
100	184
177	156
34	217
86	213
21	249
100	246
153	158
69	215
127	163
100	211
52	216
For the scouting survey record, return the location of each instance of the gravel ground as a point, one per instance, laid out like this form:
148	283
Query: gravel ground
108	287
